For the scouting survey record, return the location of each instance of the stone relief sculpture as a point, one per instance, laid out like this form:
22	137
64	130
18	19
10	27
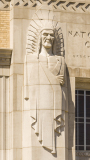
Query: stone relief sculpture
45	67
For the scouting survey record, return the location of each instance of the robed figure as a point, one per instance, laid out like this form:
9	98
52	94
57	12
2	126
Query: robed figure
45	59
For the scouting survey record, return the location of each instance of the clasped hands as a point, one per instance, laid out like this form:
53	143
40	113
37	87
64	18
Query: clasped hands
60	78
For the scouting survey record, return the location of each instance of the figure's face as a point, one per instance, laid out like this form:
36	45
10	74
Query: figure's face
47	38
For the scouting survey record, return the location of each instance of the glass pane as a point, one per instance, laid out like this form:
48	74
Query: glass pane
87	147
76	148
81	92
87	134
87	92
79	133
79	147
80	106
75	91
87	106
88	120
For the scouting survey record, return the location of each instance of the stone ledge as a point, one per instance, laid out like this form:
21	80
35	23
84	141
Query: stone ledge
83	153
82	80
5	56
78	72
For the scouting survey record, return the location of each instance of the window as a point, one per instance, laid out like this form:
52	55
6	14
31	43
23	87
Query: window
82	119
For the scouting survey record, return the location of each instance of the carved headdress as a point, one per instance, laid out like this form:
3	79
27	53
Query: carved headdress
37	25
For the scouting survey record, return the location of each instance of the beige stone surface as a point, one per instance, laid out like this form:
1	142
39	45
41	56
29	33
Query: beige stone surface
28	76
44	119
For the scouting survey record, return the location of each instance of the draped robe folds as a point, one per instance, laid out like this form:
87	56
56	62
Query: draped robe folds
45	96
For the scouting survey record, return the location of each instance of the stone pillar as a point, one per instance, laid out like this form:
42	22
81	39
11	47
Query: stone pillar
17	39
19	22
71	118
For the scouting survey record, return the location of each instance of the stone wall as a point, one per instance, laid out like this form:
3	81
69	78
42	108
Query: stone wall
17	138
4	29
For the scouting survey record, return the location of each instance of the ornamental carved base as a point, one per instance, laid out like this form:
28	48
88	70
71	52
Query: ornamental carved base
83	153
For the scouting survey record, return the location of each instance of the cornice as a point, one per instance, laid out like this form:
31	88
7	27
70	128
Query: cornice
4	5
83	153
5	56
62	5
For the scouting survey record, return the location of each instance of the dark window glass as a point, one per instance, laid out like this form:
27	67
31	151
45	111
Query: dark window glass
87	106
87	147
75	91
88	120
79	134
87	92
80	106
80	92
79	147
87	134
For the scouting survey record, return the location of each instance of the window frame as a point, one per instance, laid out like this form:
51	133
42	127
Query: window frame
81	117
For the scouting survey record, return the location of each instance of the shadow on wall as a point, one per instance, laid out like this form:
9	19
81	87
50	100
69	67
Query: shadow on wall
71	115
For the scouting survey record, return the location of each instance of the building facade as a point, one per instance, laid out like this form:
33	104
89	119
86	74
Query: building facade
44	79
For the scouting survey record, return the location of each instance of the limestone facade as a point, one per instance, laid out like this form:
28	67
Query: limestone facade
20	69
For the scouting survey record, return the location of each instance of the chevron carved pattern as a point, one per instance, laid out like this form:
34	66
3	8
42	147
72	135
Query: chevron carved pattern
62	5
4	5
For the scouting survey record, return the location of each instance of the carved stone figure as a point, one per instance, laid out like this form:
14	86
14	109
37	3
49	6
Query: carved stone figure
45	70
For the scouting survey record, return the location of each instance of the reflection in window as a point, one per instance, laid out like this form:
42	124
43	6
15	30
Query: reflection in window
82	119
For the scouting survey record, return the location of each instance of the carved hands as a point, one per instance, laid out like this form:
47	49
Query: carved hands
60	78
